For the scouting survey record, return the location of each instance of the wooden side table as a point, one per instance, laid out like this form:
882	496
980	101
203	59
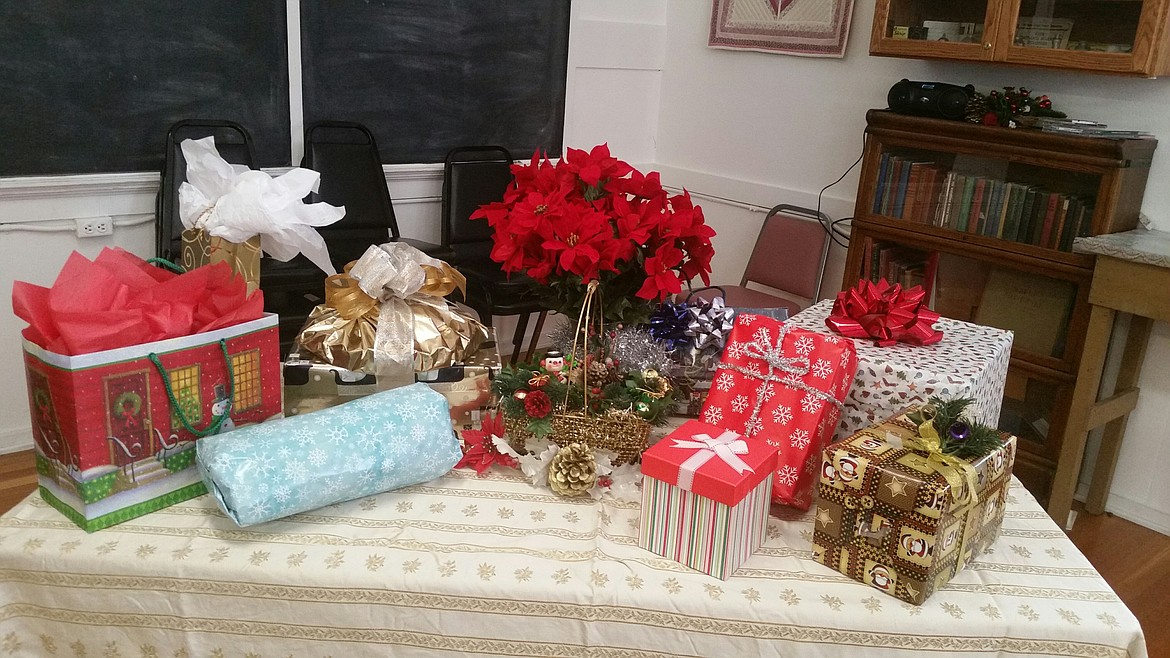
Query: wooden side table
1132	276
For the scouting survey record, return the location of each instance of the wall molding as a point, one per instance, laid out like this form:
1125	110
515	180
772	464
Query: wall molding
57	187
15	439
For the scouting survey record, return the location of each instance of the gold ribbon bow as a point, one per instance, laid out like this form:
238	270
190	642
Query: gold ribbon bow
385	314
344	294
957	472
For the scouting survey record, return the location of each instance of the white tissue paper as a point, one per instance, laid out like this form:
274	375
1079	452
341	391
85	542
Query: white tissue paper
235	203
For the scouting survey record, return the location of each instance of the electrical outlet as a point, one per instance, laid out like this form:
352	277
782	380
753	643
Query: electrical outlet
92	227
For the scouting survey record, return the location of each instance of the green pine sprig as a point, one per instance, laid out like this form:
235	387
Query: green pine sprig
631	393
981	439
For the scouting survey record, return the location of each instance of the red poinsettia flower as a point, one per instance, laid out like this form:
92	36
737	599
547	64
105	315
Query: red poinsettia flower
596	165
577	242
661	279
591	215
479	452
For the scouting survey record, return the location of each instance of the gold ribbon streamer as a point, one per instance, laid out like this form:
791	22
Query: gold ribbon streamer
344	295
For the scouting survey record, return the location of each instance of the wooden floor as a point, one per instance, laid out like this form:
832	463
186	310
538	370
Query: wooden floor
1133	559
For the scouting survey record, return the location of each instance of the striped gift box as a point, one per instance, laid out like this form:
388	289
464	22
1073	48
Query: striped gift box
705	497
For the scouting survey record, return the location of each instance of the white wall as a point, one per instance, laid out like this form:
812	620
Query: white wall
766	128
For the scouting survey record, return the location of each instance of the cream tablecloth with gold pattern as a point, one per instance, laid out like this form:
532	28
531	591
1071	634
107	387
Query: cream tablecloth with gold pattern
466	566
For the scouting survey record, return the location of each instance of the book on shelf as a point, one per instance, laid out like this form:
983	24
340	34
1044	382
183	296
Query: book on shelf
920	191
901	265
1050	210
942	210
975	214
1036	308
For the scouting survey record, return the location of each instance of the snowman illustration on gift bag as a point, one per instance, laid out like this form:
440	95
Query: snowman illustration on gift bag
222	406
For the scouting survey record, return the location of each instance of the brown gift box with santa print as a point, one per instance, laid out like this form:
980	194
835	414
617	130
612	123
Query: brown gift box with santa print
886	516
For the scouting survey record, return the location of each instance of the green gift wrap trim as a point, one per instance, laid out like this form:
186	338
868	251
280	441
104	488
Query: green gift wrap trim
188	492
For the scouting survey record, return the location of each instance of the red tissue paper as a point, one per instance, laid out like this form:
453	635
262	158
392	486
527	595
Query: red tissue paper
886	313
119	299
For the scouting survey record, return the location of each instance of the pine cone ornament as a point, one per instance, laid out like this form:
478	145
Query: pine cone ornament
573	471
598	372
976	108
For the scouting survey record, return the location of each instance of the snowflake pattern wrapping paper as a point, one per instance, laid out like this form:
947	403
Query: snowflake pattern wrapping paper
785	386
971	361
377	443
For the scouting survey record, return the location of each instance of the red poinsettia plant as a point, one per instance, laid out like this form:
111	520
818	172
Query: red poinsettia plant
593	217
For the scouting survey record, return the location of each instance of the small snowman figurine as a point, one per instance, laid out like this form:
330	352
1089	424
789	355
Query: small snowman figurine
554	363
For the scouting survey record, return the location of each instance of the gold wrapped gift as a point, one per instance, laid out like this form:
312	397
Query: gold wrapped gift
201	248
385	315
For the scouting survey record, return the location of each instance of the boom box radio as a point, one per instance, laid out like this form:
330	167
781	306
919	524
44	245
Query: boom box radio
930	99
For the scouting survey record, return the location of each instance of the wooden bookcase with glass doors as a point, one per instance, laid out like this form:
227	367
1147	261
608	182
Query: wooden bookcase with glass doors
983	218
1123	37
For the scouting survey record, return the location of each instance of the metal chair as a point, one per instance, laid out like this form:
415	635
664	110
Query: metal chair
234	145
346	155
789	258
473	176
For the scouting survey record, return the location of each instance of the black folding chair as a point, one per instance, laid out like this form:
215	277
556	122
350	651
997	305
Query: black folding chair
473	176
234	145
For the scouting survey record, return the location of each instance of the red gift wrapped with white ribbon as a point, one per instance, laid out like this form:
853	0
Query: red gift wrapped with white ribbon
785	386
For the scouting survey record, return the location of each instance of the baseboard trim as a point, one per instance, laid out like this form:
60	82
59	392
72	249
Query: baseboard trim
1131	510
15	439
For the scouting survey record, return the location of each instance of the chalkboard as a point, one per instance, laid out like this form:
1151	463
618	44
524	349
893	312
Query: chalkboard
426	76
93	86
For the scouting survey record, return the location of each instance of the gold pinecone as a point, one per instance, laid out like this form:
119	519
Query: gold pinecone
598	372
573	471
976	108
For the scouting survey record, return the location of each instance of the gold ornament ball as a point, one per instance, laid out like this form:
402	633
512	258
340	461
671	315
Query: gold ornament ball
650	375
573	471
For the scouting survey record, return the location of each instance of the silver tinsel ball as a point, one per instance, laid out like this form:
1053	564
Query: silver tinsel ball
631	347
636	349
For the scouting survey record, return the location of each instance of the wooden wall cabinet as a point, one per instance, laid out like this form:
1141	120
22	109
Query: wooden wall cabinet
1124	37
984	217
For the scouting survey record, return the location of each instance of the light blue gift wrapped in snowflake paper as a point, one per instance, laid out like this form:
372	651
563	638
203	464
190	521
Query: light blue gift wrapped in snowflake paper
379	442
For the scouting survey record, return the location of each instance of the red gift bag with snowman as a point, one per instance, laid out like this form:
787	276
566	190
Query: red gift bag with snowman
783	385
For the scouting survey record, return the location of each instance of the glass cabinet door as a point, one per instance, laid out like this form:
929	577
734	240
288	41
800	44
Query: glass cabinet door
1037	308
993	200
1106	35
960	29
1107	26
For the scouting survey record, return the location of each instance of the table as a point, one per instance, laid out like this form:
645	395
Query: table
495	566
1132	275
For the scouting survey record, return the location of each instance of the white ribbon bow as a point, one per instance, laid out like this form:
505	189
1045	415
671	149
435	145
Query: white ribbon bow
392	273
727	446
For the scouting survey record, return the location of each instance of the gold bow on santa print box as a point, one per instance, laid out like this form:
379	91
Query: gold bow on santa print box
889	516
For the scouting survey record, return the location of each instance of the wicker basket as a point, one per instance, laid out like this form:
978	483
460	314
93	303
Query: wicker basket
623	434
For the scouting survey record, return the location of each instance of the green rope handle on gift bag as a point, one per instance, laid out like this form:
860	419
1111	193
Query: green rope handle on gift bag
174	267
213	427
